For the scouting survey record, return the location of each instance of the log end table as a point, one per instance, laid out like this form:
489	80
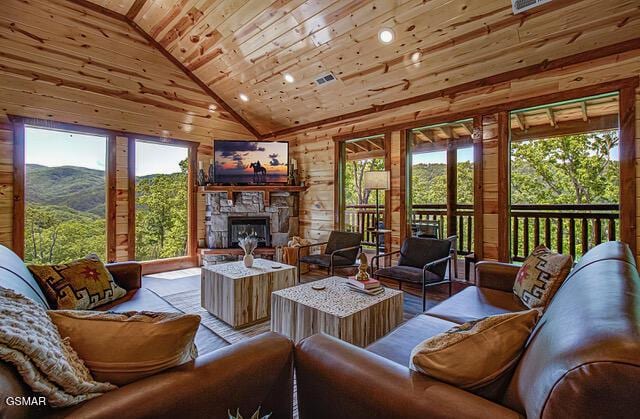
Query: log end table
241	296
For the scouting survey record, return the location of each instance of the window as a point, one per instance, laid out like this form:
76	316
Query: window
161	200
565	176
65	195
359	212
441	182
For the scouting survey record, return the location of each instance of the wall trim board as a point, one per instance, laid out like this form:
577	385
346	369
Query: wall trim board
478	189
131	198
503	187
628	211
110	197
19	186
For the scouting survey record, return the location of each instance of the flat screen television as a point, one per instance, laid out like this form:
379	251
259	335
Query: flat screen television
250	162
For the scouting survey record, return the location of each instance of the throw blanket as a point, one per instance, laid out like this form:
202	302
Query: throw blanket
46	362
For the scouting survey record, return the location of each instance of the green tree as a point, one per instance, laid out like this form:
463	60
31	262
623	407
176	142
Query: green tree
572	169
161	215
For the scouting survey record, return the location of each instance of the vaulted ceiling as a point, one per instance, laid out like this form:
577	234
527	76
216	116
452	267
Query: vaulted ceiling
236	47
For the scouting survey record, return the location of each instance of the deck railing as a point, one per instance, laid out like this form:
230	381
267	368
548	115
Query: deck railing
565	228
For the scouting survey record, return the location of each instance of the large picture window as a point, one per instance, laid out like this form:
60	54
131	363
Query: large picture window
161	200
64	196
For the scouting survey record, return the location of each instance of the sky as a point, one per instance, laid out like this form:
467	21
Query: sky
236	156
464	154
58	148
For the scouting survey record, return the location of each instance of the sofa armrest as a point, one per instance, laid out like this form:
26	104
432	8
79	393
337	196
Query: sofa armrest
339	380
255	373
126	274
496	275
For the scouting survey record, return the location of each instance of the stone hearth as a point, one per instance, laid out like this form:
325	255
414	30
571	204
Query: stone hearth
282	213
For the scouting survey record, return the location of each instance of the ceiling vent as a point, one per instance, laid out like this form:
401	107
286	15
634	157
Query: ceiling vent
325	79
520	6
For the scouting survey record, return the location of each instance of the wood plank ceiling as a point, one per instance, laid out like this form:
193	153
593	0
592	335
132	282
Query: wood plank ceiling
239	46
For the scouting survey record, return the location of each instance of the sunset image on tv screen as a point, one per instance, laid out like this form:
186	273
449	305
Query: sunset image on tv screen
250	162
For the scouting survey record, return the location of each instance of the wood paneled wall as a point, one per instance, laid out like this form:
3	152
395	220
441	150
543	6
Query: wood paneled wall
6	186
314	149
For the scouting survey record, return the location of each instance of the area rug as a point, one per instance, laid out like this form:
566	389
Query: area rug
189	302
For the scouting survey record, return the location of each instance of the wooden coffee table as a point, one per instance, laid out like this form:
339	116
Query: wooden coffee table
241	296
301	311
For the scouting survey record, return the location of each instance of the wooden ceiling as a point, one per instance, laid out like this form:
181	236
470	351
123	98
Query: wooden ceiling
236	47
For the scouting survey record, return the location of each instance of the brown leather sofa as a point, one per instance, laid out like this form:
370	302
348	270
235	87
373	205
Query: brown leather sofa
582	359
256	372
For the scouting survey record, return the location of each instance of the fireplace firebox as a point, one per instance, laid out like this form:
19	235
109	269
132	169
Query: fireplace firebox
249	225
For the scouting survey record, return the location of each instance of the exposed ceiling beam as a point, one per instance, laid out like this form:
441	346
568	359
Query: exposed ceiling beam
374	144
468	126
551	116
583	109
135	9
541	67
207	90
355	143
422	137
576	126
520	121
447	130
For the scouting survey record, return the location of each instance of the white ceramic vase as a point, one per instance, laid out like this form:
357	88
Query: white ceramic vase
248	260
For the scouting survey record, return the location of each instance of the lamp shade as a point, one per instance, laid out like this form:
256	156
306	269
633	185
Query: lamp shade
380	180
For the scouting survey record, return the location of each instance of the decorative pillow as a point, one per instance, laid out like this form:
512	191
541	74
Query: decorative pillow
124	347
79	285
477	353
46	362
540	276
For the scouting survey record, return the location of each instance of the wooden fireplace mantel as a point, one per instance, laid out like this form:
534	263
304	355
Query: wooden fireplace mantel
265	189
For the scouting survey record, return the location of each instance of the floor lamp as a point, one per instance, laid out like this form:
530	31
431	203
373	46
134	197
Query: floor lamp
378	180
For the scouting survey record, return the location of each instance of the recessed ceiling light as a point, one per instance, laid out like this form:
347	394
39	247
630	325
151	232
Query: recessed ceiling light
212	108
288	78
243	97
386	35
415	57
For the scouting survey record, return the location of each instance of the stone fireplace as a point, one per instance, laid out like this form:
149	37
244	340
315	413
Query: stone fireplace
280	218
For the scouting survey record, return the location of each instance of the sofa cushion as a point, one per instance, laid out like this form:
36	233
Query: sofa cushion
475	354
79	285
147	342
540	276
397	345
407	274
474	303
15	275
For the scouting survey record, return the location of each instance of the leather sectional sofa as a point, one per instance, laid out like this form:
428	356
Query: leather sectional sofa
582	359
256	372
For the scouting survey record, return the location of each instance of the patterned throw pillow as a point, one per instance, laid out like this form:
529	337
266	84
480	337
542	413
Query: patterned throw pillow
79	285
475	354
540	276
121	348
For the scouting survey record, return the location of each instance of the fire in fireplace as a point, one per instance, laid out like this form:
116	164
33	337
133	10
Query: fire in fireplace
249	225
